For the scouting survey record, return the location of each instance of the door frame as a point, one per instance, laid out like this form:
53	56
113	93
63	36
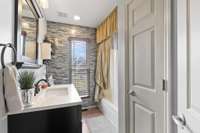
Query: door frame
170	64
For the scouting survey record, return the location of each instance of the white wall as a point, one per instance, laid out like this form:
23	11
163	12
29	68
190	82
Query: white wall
6	21
6	36
122	66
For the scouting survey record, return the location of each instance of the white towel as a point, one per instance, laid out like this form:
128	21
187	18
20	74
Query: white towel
12	93
2	100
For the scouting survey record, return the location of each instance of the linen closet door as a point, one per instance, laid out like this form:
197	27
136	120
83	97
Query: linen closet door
146	66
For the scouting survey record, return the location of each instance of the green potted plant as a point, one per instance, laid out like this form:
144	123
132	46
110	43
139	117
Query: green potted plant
26	81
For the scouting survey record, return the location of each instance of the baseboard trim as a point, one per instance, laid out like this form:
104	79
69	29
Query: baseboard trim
89	107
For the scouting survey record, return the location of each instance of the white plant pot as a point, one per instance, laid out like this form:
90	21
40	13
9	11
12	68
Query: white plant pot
27	96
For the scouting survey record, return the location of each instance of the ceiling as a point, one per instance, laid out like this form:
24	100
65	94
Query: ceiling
91	12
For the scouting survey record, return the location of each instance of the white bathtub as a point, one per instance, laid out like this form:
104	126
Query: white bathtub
110	112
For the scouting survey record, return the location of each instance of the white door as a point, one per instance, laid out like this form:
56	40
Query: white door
146	49
188	33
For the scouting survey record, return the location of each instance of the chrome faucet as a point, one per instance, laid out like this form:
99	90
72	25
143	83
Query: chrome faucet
37	89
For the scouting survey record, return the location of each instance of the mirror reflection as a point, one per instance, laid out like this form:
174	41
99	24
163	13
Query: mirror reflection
28	32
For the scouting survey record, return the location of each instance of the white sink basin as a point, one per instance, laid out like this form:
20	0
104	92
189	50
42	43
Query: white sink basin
57	90
51	95
62	86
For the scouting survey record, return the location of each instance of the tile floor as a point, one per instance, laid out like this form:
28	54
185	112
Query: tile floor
93	121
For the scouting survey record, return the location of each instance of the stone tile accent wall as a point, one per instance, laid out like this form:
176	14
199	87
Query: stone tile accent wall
60	64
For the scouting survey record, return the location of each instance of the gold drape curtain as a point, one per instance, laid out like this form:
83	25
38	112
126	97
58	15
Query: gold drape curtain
103	70
107	28
104	39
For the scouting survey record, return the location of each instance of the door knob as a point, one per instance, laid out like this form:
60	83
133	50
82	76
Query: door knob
132	93
179	121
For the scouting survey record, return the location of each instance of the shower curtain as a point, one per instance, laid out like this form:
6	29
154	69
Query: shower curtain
104	37
103	70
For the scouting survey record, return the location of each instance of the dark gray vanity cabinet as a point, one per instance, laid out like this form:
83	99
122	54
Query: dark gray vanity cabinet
63	120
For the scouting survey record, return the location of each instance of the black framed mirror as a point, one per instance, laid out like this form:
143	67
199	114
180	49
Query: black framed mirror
27	15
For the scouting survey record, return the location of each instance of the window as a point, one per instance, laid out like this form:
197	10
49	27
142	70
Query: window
79	53
80	69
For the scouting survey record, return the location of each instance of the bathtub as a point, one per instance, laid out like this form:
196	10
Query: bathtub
110	111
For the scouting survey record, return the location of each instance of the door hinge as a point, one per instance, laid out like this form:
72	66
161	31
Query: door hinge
164	85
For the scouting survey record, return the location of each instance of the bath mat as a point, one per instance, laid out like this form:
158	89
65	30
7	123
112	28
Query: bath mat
100	125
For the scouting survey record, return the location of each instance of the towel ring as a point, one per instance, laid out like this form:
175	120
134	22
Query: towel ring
3	53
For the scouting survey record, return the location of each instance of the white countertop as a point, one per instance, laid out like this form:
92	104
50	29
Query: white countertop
54	99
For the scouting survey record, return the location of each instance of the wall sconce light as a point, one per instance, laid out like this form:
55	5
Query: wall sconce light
73	31
46	52
77	18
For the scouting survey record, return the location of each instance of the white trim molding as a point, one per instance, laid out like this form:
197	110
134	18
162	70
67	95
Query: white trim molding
122	67
170	63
